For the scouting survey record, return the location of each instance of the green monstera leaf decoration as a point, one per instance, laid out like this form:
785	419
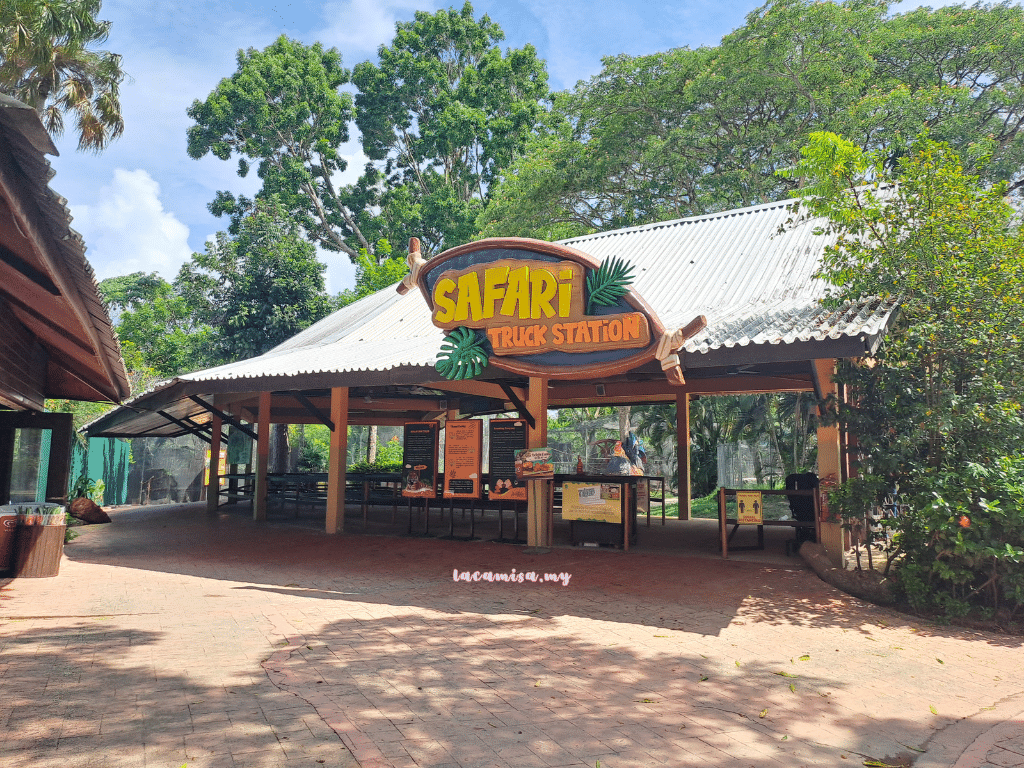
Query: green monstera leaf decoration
463	355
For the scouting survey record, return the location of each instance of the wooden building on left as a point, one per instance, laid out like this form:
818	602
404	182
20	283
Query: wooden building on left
56	337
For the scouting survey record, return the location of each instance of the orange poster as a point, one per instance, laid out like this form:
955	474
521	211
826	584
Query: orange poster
463	446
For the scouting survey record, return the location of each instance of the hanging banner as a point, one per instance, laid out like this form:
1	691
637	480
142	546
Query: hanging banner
463	446
419	464
595	502
507	437
749	508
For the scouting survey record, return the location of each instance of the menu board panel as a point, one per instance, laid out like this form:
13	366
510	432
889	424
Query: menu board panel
507	437
534	464
596	502
463	444
419	464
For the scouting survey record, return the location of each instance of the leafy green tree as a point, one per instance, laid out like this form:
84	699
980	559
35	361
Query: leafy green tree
442	113
48	60
943	398
782	423
259	287
159	330
689	132
375	273
283	110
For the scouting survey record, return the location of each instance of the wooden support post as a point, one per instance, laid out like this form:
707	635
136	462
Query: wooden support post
259	500
829	463
213	485
58	473
722	526
683	454
538	520
7	436
337	461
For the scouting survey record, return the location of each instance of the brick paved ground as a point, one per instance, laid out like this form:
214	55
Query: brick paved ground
174	637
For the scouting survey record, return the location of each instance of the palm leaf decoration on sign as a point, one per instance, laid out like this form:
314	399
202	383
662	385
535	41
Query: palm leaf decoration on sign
463	355
608	283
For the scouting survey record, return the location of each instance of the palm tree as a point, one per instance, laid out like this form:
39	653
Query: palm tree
47	61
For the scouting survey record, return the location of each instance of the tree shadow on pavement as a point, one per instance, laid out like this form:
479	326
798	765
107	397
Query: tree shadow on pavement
698	594
448	689
77	693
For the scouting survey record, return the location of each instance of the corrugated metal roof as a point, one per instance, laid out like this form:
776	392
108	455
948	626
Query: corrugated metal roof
748	271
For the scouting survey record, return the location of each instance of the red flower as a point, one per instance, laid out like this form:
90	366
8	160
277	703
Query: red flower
965	521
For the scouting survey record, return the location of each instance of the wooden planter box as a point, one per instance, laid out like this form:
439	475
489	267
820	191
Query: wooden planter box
38	550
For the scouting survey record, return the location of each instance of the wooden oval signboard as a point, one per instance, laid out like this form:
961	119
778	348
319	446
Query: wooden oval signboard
536	309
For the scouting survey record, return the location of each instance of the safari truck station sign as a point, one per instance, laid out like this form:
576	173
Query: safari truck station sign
536	308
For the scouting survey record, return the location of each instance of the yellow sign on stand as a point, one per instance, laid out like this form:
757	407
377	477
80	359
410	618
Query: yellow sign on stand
749	508
222	465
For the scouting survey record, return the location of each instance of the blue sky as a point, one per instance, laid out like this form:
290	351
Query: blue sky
141	204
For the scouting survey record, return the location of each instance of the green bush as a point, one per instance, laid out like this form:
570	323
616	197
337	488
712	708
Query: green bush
964	546
313	457
390	452
377	466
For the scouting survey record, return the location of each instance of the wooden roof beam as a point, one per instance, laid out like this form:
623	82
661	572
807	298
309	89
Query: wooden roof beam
28	218
224	416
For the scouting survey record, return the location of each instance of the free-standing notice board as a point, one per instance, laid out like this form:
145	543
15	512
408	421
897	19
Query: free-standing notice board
601	509
750	508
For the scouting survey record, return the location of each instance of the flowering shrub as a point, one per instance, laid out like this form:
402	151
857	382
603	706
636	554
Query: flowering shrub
943	389
965	545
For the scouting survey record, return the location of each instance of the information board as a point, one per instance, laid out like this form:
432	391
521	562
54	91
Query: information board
596	502
222	466
239	447
749	508
507	436
463	444
419	463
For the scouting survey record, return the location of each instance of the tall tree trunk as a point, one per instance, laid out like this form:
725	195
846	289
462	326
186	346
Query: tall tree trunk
371	444
624	421
296	450
278	448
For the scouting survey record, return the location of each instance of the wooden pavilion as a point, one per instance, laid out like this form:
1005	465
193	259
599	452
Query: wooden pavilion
729	304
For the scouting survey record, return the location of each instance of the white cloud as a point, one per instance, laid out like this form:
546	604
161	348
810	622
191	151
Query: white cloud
358	27
126	228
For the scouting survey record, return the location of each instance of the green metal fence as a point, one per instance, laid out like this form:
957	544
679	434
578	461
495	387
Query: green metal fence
106	459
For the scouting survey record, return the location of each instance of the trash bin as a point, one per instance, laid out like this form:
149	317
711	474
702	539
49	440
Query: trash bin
8	527
39	540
